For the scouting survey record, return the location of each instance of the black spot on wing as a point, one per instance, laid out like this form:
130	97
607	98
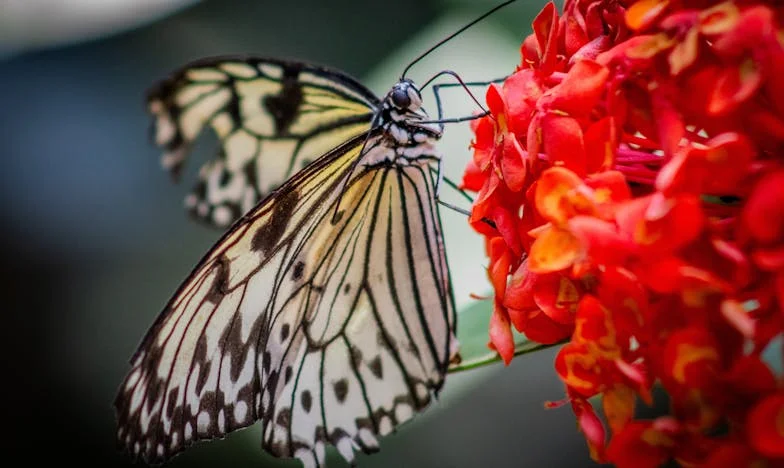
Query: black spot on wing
341	389
284	332
375	367
266	361
219	288
284	417
172	398
307	400
356	356
284	106
200	356
225	177
268	235
299	268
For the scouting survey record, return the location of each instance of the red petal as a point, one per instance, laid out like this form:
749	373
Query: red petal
591	427
599	241
506	224
560	194
577	368
557	296
661	225
553	250
691	352
542	329
594	325
484	143
601	145
500	334
485	199
684	54
591	49
499	265
609	187
719	19
640	445
473	178
522	90
769	259
766	426
642	14
519	292
734	86
621	291
669	122
574	35
563	142
580	90
495	100
661	275
744	383
732	454
618	405
717	167
545	27
741	34
513	163
763	215
529	52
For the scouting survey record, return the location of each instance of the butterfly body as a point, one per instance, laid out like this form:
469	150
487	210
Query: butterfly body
326	309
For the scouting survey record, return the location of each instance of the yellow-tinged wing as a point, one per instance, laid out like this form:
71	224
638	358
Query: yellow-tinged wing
331	326
271	117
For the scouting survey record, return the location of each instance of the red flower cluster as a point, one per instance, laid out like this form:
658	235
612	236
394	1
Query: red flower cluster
630	181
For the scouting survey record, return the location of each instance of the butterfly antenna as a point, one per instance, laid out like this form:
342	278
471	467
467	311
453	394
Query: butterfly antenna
451	36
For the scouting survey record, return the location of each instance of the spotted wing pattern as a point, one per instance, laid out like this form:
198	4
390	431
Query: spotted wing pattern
333	326
271	118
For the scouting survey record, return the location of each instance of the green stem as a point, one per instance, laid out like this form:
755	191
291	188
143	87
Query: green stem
492	357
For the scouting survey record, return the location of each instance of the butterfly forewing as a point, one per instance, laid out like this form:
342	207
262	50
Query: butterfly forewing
271	118
326	312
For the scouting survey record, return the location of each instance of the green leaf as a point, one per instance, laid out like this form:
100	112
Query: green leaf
472	326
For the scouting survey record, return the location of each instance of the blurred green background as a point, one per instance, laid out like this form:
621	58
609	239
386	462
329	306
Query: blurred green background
96	240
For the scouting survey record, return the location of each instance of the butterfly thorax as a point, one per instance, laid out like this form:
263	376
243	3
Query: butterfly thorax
408	132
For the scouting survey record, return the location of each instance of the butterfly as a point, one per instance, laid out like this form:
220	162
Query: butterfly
326	309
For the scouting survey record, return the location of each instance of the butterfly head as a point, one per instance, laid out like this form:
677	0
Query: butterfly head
404	107
405	97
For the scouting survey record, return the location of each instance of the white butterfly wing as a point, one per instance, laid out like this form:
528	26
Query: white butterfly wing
331	329
271	118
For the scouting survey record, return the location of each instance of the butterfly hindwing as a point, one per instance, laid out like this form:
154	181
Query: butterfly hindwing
330	325
271	118
373	355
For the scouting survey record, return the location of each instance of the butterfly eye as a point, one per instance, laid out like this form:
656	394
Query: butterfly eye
400	97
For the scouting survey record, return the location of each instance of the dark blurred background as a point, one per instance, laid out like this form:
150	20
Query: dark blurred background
95	238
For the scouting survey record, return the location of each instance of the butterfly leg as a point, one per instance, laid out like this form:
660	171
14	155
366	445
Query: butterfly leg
454	208
441	120
462	84
440	178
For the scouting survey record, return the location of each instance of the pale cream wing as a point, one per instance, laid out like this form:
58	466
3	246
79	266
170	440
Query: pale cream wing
271	118
374	346
333	326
